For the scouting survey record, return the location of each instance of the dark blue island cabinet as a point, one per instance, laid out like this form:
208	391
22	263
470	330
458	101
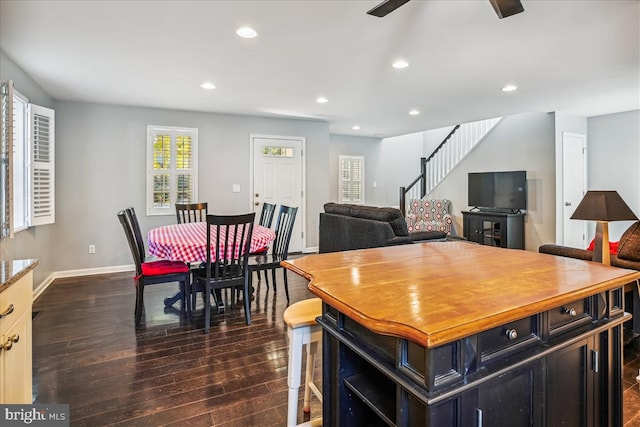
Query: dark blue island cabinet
455	334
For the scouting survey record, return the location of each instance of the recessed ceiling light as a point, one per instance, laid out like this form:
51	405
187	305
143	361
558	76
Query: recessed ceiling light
356	127
208	85
246	32
509	88
414	112
400	64
322	100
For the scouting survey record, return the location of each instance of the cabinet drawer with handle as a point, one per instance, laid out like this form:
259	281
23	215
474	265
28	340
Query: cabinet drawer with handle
499	342
569	316
14	301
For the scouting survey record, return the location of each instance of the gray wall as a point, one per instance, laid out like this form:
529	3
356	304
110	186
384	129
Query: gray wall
101	158
37	242
399	164
518	142
343	145
613	146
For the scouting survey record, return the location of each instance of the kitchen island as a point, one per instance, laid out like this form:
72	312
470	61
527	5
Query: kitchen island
456	334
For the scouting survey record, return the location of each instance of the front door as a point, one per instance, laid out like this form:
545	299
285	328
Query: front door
278	178
574	147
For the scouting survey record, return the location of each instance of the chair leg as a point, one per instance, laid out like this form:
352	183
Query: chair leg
185	307
266	278
135	309
312	348
247	301
286	285
273	276
207	308
140	303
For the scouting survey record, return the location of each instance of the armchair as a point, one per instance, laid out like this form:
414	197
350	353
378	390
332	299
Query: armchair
429	215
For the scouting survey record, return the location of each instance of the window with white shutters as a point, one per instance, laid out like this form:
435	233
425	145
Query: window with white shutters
42	130
351	179
171	168
28	162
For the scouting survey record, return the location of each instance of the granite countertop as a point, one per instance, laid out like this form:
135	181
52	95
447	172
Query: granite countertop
12	270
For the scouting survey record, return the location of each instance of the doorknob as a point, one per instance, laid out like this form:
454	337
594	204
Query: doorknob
256	203
567	203
257	194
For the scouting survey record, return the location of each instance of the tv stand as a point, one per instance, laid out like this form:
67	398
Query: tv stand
494	228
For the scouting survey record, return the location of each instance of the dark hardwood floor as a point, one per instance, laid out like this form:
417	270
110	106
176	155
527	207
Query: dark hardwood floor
86	353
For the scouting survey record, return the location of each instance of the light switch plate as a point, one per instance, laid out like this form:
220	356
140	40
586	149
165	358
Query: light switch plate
236	188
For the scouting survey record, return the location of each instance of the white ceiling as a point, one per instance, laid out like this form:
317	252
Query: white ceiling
575	56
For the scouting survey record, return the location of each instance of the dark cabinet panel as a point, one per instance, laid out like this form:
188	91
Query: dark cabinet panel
504	230
570	383
511	399
558	371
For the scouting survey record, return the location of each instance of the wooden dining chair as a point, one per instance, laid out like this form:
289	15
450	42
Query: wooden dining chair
229	237
266	218
191	212
279	249
266	215
151	272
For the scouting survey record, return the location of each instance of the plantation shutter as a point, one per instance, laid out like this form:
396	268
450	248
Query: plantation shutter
42	150
351	180
171	168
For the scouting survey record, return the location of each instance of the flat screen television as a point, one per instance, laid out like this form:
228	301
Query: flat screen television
498	190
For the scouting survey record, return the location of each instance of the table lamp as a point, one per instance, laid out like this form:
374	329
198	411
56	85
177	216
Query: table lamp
602	207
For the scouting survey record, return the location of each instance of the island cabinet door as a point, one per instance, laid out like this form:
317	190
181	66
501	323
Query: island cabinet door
570	380
513	399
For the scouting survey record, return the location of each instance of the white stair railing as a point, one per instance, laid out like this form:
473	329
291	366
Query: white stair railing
446	157
465	139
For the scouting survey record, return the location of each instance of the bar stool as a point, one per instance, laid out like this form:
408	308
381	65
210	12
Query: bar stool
302	329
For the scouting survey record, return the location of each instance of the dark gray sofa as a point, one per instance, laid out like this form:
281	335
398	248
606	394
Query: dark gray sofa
345	227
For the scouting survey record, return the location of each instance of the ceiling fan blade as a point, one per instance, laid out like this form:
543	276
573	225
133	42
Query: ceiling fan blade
506	8
386	7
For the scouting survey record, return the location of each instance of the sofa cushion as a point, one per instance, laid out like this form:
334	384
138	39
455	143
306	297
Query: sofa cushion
629	245
391	215
337	208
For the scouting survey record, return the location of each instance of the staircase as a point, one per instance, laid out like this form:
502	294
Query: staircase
433	169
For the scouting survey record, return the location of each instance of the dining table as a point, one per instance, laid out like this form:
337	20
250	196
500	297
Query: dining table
187	242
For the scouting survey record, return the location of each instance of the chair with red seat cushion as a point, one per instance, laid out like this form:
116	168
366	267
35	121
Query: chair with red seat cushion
152	272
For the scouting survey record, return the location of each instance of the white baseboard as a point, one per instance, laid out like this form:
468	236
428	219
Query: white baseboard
311	250
77	273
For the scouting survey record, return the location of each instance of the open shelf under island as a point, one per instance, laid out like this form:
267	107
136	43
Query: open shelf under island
456	334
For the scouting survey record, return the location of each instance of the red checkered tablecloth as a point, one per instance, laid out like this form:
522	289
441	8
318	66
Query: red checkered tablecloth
187	242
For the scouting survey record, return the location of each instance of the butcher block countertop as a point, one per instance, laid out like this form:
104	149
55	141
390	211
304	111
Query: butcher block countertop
435	293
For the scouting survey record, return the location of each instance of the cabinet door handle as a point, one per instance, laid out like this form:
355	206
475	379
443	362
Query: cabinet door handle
10	341
7	312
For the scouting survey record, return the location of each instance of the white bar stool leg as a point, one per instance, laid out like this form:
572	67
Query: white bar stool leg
293	374
312	347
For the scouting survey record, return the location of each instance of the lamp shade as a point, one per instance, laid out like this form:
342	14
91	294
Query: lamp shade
603	206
